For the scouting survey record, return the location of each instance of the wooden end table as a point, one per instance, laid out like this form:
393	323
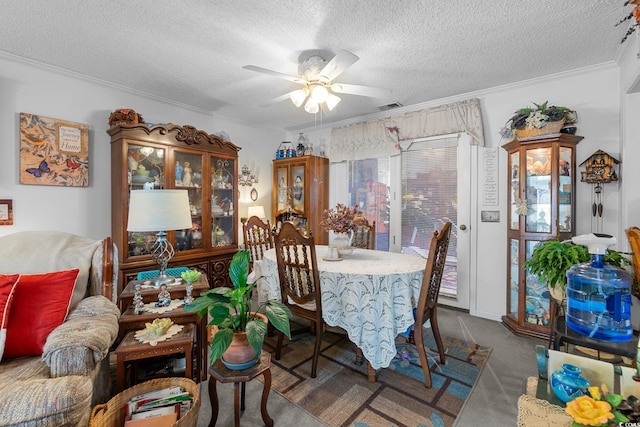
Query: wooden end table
219	372
131	349
129	320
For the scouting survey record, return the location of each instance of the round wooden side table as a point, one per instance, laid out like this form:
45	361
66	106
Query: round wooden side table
219	372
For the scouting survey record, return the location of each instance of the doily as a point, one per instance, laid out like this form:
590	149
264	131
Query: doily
150	307
143	336
534	412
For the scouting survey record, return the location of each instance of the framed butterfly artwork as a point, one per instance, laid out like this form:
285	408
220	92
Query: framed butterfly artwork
53	152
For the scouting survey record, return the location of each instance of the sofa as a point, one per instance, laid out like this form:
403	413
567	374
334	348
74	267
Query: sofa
59	321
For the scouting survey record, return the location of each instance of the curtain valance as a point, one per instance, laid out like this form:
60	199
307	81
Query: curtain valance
380	137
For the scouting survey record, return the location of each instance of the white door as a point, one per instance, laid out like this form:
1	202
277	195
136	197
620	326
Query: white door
379	187
435	187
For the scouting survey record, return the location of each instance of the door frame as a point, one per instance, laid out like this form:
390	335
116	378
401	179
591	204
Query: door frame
467	294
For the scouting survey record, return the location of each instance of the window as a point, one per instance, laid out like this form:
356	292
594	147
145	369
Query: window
369	182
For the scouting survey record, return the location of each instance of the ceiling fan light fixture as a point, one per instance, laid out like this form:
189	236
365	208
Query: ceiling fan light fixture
319	93
298	96
311	106
332	101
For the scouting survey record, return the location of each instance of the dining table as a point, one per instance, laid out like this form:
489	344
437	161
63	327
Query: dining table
370	294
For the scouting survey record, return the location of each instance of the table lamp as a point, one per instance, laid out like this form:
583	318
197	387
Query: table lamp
256	211
153	210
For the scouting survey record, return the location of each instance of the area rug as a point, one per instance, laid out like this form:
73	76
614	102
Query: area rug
340	395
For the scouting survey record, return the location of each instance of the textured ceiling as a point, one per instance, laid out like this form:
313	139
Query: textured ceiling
192	52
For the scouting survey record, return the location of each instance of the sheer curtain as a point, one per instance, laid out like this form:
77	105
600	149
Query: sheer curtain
381	137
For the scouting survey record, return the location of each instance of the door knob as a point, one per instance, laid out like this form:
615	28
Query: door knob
463	227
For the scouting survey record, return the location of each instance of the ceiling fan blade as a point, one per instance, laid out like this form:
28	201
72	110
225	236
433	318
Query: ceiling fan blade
373	92
340	62
276	100
275	74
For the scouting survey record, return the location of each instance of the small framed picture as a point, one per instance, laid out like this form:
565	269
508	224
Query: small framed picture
6	212
490	216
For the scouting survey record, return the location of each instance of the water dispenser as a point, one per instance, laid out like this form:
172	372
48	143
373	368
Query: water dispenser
598	294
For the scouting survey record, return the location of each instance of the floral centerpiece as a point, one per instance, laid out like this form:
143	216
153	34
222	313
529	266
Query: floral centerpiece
342	219
599	408
633	15
544	119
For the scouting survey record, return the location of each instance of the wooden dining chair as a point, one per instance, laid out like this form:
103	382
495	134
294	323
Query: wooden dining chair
257	237
633	234
364	236
428	299
299	282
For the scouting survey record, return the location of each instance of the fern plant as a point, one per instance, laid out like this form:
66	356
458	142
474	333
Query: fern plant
551	259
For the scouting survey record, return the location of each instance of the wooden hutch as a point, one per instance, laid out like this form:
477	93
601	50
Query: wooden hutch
176	157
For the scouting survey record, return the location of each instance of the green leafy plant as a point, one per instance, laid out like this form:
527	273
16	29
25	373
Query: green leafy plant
551	259
230	310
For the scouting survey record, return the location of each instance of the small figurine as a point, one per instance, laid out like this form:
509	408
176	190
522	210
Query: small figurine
179	170
138	304
186	174
164	297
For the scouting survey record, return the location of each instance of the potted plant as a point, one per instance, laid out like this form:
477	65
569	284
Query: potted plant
551	259
239	328
543	120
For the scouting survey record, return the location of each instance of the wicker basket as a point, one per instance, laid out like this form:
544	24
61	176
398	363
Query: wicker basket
111	414
549	128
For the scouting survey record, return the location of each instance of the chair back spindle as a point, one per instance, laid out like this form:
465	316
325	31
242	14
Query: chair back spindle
257	237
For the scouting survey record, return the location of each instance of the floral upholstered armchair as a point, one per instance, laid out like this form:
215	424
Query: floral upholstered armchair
58	322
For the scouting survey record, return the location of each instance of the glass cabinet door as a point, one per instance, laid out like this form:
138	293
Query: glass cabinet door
514	275
538	190
223	195
298	178
145	170
188	176
282	190
514	190
537	303
565	190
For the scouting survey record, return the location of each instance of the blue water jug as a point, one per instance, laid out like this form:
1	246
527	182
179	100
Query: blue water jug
599	295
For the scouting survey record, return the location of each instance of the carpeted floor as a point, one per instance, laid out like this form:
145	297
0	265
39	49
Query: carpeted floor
341	395
493	401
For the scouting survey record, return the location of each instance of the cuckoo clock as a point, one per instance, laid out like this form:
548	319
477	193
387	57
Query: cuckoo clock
600	169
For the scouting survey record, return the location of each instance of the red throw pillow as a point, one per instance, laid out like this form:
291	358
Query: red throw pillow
40	304
7	286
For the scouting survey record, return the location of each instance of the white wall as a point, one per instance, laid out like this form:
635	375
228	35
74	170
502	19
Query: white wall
29	88
594	93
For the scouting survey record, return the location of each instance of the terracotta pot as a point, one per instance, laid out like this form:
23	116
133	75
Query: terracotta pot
240	354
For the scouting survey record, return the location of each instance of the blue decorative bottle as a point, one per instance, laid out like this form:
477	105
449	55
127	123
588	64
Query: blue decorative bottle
598	294
568	383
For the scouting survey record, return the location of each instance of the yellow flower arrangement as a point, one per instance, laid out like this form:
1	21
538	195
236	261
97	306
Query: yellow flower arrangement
596	409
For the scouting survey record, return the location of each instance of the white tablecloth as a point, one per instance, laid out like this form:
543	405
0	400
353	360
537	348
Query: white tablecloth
371	294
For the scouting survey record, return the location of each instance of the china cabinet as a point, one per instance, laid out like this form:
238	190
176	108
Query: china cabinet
301	192
541	206
176	157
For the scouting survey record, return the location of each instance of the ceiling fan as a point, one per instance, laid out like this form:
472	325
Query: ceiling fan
316	75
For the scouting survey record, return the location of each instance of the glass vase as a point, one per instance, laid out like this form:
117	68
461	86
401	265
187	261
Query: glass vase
188	297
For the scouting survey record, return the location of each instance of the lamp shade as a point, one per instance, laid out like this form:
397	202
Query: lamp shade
158	210
256	211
